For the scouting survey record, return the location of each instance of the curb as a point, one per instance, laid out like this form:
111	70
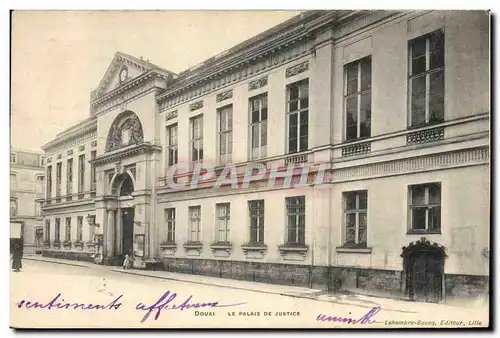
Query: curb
55	262
203	283
251	290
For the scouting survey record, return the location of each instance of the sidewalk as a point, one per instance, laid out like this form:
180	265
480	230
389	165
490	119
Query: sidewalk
365	301
61	261
284	290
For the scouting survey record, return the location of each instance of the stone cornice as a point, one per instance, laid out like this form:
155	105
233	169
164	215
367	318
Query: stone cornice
261	49
125	98
66	140
366	21
406	131
143	148
129	86
439	161
432	162
26	166
87	205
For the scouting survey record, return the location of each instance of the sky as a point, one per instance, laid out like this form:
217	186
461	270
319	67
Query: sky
59	57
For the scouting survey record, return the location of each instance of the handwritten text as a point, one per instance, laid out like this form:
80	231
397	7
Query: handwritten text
365	319
164	303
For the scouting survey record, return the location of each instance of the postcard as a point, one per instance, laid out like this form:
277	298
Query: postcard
250	169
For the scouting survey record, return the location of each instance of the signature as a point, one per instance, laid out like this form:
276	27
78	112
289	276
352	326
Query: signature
365	319
164	303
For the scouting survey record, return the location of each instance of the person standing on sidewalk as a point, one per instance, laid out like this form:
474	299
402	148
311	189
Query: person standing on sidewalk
17	256
126	262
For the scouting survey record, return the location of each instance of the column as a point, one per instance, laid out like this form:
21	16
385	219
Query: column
119	232
110	234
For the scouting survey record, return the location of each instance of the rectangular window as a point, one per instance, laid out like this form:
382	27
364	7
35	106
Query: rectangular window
357	98
79	229
68	229
355	218
58	179
172	148
256	211
81	173
258	126
194	223
296	219
40	183
57	230
223	212
426	79
425	207
12	158
47	230
91	232
93	177
298	116
13	181
225	134
170	216
13	207
49	181
196	136
69	179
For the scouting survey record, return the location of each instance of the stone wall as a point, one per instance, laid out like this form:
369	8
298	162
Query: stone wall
466	285
284	274
70	255
384	283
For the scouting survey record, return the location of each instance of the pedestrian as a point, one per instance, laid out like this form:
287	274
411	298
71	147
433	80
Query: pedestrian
17	256
126	262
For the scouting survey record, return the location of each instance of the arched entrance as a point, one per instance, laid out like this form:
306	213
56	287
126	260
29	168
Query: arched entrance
123	186
423	264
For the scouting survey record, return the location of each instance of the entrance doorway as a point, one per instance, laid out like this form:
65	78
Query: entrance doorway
424	269
127	231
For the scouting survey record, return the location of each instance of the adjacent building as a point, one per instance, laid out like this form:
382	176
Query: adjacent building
27	192
388	110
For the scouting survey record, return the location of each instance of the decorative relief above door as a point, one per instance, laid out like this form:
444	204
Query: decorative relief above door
125	130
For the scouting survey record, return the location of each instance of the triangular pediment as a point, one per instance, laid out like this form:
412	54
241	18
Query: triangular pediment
122	69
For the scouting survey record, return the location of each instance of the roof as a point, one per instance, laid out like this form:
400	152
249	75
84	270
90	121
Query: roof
144	63
307	15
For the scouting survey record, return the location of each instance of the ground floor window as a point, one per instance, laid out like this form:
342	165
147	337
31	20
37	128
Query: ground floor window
256	210
223	218
170	216
296	219
194	223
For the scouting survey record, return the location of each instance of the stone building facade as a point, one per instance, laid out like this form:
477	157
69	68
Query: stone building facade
27	191
388	110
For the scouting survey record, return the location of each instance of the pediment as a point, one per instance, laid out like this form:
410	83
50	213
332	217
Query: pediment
122	69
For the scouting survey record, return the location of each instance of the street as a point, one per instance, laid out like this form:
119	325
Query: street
109	299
